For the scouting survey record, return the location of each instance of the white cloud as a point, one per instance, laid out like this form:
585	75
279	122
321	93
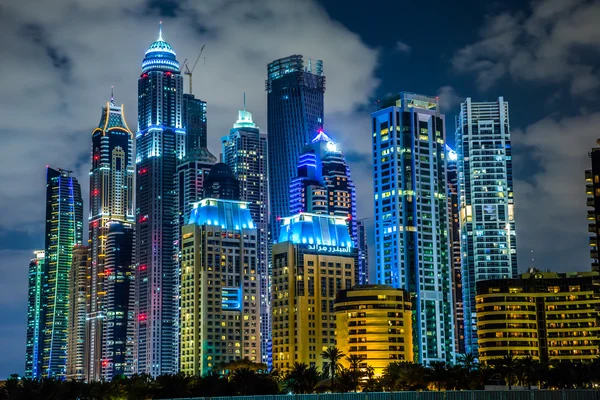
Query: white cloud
449	99
550	199
555	43
402	47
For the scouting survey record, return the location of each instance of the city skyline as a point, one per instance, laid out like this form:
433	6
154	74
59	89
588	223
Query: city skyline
527	138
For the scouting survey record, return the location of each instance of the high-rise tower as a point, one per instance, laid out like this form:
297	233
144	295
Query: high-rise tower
220	289
592	177
454	235
245	151
64	230
111	200
34	316
487	221
411	218
77	339
294	116
160	144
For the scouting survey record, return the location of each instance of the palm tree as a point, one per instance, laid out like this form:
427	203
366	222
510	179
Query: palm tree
507	366
302	379
467	361
438	373
354	361
333	355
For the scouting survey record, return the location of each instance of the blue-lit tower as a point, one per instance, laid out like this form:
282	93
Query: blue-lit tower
64	230
411	217
160	144
111	200
323	185
487	221
245	151
34	316
294	115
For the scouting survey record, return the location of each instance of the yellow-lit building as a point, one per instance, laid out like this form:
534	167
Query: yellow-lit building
539	314
313	260
375	323
220	289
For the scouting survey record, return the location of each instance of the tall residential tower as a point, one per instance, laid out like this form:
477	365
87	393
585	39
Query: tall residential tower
294	115
245	151
34	315
111	200
411	218
64	230
487	221
160	144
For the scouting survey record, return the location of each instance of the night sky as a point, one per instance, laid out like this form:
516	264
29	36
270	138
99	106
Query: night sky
60	59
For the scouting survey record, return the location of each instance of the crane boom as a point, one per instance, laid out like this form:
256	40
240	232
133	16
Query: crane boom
189	71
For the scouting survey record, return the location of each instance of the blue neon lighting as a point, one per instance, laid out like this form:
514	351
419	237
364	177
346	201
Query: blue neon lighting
229	214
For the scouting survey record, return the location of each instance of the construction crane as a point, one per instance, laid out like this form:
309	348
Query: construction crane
189	71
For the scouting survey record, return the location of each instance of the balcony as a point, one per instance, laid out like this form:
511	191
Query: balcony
594	253
588	175
592	228
591	215
590	202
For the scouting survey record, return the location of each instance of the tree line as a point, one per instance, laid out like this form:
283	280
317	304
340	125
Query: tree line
340	374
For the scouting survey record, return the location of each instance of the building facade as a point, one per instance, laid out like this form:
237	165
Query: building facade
160	145
77	334
487	221
362	243
220	287
544	315
119	319
374	322
411	218
245	152
34	315
313	260
194	121
111	200
295	114
592	177
454	235
323	185
64	231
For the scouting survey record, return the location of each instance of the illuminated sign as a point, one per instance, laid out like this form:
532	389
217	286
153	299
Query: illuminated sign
321	248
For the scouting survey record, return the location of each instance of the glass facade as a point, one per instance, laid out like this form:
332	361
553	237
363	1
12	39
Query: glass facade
245	151
194	121
34	315
111	200
64	230
487	222
411	217
78	339
160	145
294	116
592	178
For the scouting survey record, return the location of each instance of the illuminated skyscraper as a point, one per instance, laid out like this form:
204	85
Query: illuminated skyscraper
160	144
411	217
220	289
194	121
294	116
34	316
111	200
487	223
313	260
119	319
362	244
64	231
221	183
592	177
454	235
323	185
245	151
79	281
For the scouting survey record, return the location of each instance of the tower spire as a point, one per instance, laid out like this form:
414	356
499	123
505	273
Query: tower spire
160	31
112	95
244	101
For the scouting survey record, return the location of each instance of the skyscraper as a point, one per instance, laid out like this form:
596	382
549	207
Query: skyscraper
592	177
220	289
362	244
221	183
454	235
294	116
194	121
323	185
77	339
111	200
245	151
34	316
487	221
313	259
119	319
160	143
411	218
64	230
